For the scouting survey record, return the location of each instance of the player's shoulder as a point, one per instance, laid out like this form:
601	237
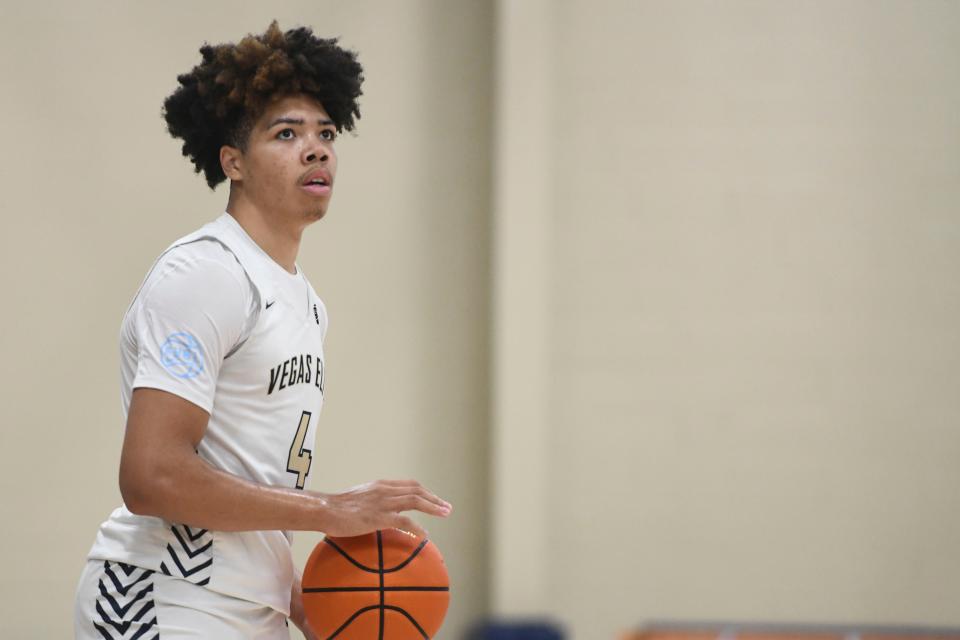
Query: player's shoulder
202	265
202	251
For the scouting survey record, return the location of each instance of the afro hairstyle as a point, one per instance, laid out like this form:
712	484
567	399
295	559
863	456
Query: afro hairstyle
220	99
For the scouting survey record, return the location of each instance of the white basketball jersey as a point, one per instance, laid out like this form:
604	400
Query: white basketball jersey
219	323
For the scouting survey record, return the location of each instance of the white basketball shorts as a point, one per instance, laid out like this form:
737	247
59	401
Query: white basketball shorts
117	600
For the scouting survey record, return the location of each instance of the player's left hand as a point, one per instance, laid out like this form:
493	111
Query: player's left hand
297	613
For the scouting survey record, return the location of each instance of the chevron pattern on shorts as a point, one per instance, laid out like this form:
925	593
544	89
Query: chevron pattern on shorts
189	555
125	609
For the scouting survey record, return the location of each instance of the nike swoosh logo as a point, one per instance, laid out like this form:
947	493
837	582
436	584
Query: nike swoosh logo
270	304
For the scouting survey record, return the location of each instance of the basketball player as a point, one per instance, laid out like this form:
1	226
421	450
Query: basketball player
222	368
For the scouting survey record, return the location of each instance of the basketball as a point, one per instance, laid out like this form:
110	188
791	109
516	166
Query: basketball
388	584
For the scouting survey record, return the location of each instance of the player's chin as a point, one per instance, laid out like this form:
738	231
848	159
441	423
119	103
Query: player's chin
315	212
315	207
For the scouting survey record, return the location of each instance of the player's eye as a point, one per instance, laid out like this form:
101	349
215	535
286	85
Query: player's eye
328	134
285	134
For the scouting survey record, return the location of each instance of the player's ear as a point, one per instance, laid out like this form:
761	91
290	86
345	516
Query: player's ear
231	161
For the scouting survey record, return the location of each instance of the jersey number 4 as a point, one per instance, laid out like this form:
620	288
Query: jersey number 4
300	459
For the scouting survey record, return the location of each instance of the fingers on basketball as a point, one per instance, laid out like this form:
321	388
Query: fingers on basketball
418	503
404	523
417	489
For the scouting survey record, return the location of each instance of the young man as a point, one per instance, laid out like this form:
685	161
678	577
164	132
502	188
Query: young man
222	369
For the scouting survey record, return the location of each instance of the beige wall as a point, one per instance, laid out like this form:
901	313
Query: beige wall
722	242
93	189
753	356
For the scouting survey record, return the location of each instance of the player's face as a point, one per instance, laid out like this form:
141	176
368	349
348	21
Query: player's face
289	165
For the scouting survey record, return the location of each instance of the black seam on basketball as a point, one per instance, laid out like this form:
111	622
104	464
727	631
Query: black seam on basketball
347	556
382	588
354	589
364	567
380	566
356	615
410	618
413	555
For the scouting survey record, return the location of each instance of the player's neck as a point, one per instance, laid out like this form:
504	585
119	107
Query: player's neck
278	240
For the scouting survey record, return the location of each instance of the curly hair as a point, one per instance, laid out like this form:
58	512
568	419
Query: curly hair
220	99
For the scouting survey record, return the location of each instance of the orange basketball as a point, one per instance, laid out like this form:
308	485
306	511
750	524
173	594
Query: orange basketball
388	584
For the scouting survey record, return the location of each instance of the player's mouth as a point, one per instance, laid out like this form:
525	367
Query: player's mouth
317	183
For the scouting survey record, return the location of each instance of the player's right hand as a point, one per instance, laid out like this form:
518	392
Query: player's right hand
380	505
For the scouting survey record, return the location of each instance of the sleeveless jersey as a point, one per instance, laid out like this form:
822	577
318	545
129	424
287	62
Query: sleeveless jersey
219	323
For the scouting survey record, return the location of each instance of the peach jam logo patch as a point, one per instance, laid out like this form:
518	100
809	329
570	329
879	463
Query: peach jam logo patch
182	355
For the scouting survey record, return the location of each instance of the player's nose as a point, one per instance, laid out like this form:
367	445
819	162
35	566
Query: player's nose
314	151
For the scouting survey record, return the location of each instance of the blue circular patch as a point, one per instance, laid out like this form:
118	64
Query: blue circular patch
181	355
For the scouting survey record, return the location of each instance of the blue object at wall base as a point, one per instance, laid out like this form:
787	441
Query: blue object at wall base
528	630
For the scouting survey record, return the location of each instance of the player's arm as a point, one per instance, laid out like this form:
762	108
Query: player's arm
162	475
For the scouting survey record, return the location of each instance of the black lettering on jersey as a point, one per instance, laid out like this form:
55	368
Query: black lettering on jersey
296	370
293	372
319	376
300	374
274	376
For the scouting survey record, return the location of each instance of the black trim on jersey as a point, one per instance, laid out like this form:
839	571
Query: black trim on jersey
194	558
192	553
124	608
